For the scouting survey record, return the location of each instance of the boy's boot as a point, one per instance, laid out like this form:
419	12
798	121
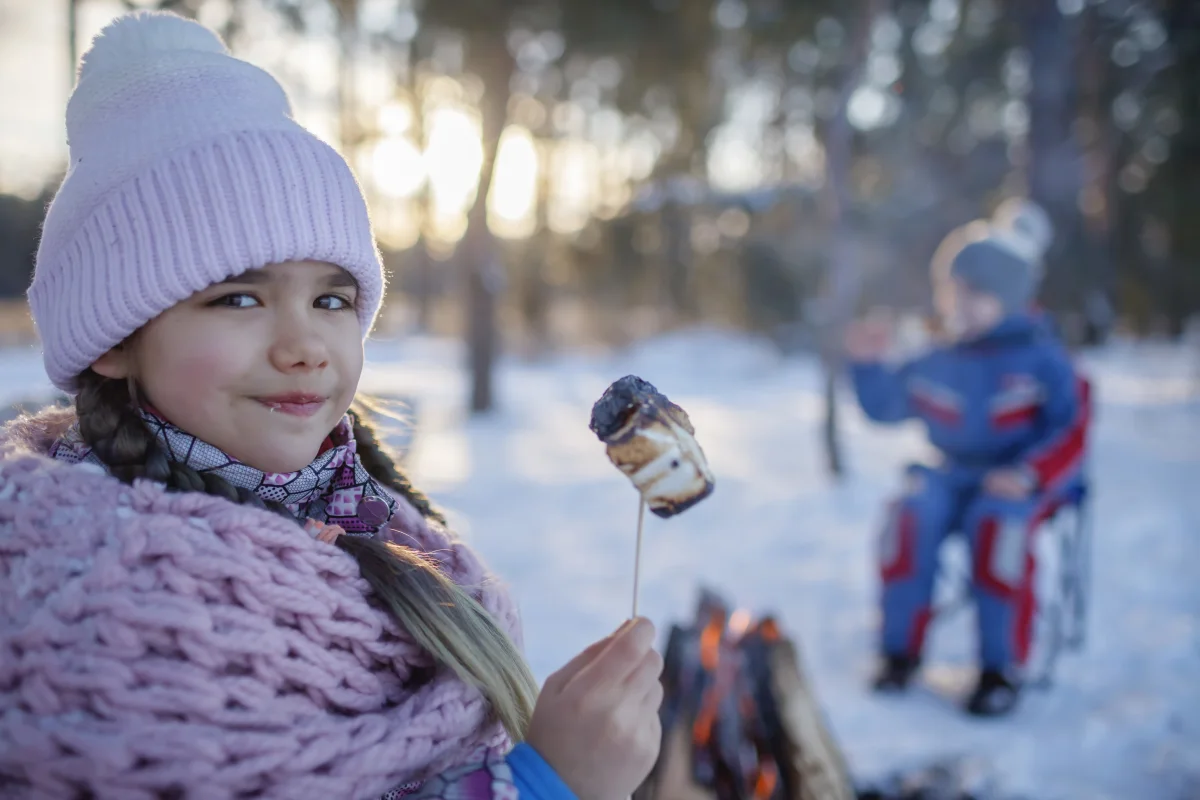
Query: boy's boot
895	672
994	696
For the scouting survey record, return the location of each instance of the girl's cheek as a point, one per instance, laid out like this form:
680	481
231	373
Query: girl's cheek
191	365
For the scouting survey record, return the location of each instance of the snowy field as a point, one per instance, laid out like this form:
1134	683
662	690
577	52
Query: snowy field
531	488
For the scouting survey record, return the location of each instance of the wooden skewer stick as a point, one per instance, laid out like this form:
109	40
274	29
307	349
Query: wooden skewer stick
637	558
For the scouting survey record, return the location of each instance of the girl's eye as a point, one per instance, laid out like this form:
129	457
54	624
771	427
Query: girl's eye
235	301
333	302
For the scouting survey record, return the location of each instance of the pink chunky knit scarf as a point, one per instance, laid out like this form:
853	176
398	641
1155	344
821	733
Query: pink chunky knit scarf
154	641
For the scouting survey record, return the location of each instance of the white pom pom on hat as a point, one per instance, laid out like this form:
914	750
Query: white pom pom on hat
147	35
1024	219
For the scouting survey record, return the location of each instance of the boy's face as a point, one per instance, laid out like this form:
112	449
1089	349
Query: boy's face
966	312
261	366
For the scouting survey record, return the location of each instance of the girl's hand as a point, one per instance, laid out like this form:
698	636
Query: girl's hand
596	721
868	339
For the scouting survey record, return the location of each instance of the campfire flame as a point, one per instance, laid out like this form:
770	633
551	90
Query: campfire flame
710	659
739	623
721	630
710	641
768	629
711	638
768	777
702	730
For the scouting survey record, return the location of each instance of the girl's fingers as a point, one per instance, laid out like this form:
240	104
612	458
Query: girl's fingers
590	654
653	697
622	657
647	672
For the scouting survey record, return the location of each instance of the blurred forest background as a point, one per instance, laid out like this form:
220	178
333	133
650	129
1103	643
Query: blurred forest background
551	173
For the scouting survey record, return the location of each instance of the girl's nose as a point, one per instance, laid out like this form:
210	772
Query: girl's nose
298	347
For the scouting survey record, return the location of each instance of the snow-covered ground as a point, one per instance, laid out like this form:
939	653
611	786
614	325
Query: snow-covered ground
531	488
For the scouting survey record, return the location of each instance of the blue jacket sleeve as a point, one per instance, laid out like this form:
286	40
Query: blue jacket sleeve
882	391
534	778
521	775
1056	453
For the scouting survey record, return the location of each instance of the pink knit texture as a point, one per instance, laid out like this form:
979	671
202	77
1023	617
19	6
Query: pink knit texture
152	640
186	168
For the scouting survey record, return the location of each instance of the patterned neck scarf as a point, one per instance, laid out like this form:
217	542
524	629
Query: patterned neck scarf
335	488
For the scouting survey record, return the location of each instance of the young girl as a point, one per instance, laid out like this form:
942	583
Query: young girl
213	580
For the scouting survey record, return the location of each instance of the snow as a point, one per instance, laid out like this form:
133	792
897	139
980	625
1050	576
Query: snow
530	486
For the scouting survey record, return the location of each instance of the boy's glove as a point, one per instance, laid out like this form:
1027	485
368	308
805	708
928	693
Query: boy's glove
1010	483
869	339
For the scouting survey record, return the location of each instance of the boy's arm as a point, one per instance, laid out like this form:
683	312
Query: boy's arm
1057	453
882	390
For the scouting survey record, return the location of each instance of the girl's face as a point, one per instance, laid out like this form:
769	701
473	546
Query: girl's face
261	366
966	313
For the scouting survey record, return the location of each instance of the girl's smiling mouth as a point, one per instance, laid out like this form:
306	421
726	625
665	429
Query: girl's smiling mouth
295	403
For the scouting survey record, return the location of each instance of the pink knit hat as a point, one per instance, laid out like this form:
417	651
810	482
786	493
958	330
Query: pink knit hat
186	169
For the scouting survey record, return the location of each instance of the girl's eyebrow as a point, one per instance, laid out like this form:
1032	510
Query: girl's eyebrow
340	279
250	276
334	280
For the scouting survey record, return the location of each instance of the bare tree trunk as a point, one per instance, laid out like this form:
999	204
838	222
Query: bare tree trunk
427	279
539	251
679	260
491	61
347	11
72	41
1055	165
423	277
843	275
1099	162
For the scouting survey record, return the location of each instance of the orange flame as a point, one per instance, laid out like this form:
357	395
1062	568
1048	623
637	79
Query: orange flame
768	776
710	642
739	623
702	729
710	658
769	629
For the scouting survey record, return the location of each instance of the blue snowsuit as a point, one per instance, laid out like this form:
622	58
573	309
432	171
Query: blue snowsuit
1009	399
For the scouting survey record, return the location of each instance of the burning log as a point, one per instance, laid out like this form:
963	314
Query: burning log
741	722
739	719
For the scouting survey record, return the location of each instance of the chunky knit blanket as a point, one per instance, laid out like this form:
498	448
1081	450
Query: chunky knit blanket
177	645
